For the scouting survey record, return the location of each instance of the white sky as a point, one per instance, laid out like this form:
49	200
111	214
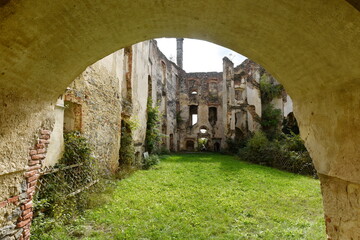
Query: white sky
199	56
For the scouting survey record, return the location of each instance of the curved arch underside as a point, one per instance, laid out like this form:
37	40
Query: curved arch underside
311	47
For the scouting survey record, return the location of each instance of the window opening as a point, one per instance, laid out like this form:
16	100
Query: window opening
193	110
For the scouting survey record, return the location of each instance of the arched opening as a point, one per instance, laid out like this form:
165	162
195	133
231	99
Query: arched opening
216	147
203	144
190	145
193	112
304	36
290	124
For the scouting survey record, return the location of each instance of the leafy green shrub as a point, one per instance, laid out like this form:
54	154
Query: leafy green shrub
56	202
294	142
77	149
163	150
287	154
268	90
152	160
271	121
259	150
299	158
153	134
234	145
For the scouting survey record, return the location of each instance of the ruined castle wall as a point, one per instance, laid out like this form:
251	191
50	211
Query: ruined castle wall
139	80
165	78
172	111
97	91
201	91
23	116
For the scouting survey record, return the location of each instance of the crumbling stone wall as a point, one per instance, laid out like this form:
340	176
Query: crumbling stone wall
165	81
117	87
17	211
18	134
235	93
198	93
97	93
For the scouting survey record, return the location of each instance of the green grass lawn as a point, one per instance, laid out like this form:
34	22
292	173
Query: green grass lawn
204	196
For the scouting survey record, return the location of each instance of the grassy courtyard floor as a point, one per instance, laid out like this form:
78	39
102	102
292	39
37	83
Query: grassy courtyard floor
204	196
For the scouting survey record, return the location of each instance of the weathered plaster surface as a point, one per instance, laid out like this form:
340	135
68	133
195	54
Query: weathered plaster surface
342	208
97	89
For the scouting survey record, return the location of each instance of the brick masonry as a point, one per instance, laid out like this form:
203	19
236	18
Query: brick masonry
23	212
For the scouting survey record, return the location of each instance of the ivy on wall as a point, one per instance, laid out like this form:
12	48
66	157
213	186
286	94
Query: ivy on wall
269	91
153	134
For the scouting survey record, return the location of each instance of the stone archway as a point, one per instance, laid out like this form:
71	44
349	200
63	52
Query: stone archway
311	47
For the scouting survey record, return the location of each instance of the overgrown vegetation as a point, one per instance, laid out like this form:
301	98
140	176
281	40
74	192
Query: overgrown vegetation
287	153
268	90
202	144
233	145
151	161
153	134
77	150
270	146
62	193
205	196
270	121
127	149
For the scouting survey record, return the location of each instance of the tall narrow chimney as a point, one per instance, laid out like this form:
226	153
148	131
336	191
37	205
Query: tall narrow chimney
179	52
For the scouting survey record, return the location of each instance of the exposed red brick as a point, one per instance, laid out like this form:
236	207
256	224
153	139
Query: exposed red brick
45	132
42	150
30	173
30	190
3	204
13	199
35	167
37	156
31	196
22	223
43	141
40	145
27	205
32	183
46	137
27	216
26	211
32	178
33	152
33	162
